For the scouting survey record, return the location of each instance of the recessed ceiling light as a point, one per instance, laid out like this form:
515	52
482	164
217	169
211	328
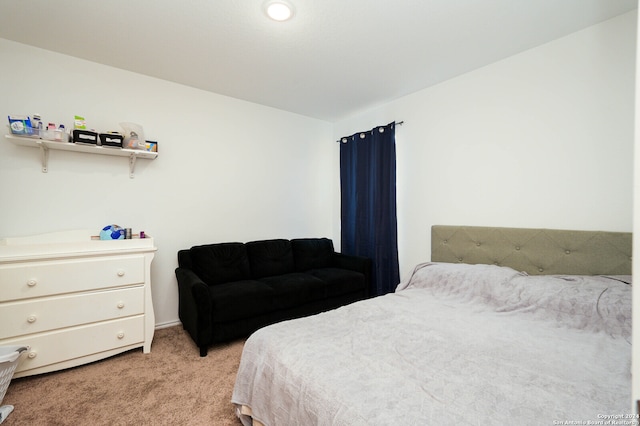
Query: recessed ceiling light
279	10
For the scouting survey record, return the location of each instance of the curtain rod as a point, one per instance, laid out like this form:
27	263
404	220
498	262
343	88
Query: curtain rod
397	123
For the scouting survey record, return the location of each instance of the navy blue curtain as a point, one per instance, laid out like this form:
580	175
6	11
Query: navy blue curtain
368	203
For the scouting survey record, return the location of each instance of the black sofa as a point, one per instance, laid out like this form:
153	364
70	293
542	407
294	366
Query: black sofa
229	290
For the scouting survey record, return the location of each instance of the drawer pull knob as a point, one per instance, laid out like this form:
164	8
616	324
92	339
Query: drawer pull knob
32	282
121	273
31	319
32	355
121	335
120	305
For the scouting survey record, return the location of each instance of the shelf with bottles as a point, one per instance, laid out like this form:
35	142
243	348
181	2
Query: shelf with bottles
45	145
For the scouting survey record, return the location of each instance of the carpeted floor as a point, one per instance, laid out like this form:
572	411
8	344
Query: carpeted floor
172	385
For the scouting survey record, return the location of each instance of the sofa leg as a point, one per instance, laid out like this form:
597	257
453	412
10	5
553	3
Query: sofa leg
203	350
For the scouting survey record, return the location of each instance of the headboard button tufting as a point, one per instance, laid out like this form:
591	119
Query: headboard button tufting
537	251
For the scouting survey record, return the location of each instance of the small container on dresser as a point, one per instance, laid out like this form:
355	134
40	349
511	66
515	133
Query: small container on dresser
74	300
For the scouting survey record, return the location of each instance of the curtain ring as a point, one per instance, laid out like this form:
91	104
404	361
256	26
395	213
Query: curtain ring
344	140
363	135
381	129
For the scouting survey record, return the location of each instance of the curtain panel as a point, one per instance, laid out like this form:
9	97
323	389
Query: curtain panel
368	203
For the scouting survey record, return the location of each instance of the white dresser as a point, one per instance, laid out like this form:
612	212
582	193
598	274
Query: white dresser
74	300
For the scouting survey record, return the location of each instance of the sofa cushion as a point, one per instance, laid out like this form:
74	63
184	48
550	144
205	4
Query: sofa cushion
311	253
295	289
184	259
339	281
220	263
240	299
269	258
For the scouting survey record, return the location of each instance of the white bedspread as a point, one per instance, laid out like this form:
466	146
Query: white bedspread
456	344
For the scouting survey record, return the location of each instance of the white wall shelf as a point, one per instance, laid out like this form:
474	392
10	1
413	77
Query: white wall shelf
46	145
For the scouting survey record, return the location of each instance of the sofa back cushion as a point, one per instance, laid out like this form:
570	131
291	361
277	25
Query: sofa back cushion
220	263
184	259
312	253
268	258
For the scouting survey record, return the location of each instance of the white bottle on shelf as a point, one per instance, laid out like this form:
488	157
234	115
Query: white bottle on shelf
36	124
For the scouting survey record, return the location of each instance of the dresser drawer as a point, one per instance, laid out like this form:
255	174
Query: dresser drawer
62	345
51	313
23	280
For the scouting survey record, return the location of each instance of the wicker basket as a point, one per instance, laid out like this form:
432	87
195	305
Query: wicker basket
9	358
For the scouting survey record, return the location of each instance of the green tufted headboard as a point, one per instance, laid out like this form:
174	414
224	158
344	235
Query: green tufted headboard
535	251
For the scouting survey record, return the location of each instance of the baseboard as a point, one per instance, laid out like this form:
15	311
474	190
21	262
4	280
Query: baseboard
167	324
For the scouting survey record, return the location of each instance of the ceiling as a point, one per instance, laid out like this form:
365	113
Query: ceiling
335	58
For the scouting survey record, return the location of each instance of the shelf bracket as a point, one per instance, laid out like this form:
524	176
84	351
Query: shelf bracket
44	155
132	165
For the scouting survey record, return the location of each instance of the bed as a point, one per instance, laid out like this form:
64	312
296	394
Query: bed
502	326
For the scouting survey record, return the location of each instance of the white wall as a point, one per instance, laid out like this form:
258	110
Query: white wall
227	170
540	139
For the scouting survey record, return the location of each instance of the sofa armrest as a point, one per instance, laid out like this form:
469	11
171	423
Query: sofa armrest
355	263
194	306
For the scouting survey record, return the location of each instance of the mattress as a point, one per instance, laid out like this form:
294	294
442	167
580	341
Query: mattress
455	344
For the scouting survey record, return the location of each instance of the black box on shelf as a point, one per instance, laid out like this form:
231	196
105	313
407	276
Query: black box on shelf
85	136
111	140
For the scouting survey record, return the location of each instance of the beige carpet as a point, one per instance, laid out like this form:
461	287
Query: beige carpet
172	385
